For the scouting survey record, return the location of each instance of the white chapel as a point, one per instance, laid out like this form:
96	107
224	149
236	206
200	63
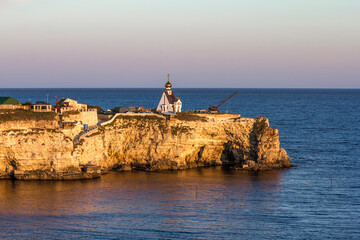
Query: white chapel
168	101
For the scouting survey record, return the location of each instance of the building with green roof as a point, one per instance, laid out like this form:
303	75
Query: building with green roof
11	103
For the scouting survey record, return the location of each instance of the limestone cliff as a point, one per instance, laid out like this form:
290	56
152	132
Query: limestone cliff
144	142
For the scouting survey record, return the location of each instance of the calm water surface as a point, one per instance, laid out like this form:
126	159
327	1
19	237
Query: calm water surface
318	128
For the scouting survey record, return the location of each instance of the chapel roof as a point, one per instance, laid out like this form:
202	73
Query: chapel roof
171	98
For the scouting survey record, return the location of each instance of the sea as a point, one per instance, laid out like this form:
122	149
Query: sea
317	199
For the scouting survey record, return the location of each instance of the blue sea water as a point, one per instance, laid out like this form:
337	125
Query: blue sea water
318	199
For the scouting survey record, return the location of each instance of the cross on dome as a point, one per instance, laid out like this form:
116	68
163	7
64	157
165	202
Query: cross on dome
168	84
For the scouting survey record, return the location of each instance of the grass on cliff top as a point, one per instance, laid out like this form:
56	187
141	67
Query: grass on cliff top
184	116
24	115
187	116
141	121
140	117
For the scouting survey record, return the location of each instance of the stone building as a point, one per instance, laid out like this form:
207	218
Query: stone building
168	102
67	104
77	112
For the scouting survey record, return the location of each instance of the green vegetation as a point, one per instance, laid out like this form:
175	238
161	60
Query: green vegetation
186	116
99	109
72	112
24	115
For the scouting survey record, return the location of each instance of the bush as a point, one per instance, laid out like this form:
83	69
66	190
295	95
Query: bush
99	109
72	112
140	117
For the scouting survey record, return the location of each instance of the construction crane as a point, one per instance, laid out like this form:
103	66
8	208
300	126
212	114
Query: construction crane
214	109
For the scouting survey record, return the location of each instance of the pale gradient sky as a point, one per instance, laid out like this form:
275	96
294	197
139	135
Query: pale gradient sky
201	43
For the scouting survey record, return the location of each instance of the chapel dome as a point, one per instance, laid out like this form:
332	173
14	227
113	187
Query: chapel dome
168	85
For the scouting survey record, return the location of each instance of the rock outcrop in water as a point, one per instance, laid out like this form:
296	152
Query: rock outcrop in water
143	142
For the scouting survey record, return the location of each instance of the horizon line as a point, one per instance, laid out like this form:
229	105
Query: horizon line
326	88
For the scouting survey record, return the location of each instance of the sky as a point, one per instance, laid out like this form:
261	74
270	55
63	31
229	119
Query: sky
201	43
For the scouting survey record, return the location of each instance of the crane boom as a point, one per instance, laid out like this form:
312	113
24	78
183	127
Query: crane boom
227	99
215	109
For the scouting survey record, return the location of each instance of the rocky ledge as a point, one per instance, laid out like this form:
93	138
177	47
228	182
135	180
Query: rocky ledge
146	142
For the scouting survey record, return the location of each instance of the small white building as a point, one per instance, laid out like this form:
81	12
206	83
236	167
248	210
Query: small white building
168	101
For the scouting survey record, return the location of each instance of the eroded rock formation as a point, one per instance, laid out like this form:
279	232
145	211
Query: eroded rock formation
144	142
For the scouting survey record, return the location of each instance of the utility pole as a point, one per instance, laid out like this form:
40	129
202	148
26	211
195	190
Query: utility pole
47	98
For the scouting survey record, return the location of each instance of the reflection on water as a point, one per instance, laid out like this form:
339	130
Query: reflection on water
193	201
75	197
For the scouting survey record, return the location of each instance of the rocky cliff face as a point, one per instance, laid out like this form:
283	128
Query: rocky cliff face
30	151
144	142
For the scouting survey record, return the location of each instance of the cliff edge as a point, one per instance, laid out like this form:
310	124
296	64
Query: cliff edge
143	142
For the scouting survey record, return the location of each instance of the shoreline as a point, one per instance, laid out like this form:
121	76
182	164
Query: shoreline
142	142
76	177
